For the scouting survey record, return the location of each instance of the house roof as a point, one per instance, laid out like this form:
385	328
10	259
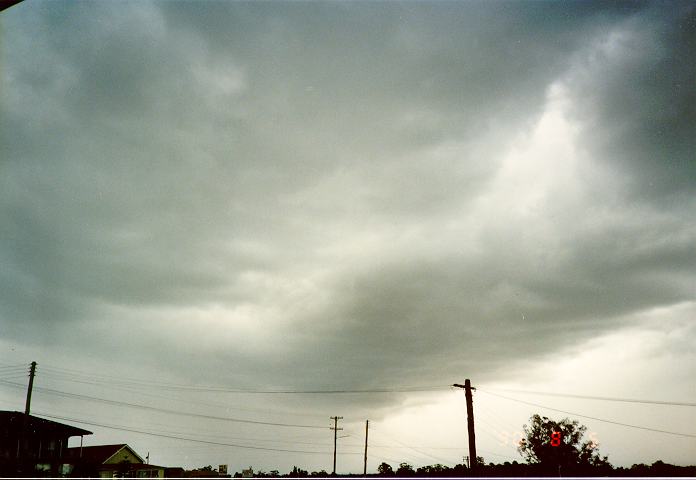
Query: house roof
38	426
99	454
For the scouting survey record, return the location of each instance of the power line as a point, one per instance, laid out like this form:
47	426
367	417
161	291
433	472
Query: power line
405	446
163	410
111	379
499	434
210	442
499	423
609	399
165	428
592	418
137	390
202	388
414	449
488	452
14	370
321	392
506	431
411	459
15	375
217	436
380	457
125	429
13	365
254	439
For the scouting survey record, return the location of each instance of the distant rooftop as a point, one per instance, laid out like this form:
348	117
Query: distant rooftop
41	426
95	454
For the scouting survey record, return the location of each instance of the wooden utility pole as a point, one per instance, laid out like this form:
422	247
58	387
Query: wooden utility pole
335	429
470	423
32	372
25	422
367	428
470	420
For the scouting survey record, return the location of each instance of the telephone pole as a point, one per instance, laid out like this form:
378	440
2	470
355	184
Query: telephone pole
32	372
367	427
335	429
470	420
21	452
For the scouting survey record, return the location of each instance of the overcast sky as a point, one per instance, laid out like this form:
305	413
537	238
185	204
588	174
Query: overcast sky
350	195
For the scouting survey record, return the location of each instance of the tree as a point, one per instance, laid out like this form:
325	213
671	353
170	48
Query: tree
557	446
385	469
436	470
405	470
298	472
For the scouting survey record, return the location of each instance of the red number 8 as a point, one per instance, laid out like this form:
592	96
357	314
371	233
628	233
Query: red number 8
555	439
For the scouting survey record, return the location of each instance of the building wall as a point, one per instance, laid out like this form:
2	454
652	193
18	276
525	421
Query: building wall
150	473
155	472
124	455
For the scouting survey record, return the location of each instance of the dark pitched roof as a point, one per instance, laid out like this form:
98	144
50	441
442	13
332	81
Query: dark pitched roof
39	426
98	454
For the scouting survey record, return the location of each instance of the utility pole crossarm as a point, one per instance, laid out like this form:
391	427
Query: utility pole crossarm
459	385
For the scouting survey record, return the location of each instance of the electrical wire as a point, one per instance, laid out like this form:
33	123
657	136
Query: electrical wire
163	410
126	429
16	376
383	458
223	437
417	450
13	365
111	379
166	428
500	424
590	397
14	371
488	452
155	428
137	390
354	435
496	435
201	388
372	454
591	418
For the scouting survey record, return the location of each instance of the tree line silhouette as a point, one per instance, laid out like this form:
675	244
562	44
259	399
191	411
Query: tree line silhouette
506	469
549	448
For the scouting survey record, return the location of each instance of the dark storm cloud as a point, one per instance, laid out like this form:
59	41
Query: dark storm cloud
296	170
635	95
434	319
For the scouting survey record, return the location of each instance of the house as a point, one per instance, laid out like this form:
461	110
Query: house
174	472
108	461
33	446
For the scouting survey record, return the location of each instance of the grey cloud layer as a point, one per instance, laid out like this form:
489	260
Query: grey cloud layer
315	170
